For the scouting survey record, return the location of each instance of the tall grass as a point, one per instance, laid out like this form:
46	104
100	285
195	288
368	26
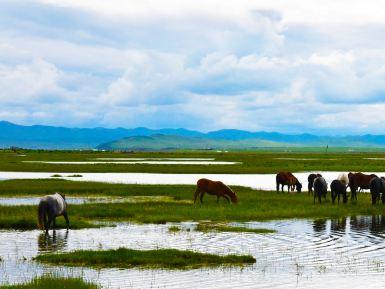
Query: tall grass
127	258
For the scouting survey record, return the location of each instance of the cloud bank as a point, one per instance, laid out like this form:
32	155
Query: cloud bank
290	66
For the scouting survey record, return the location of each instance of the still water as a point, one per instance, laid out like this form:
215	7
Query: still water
335	253
256	181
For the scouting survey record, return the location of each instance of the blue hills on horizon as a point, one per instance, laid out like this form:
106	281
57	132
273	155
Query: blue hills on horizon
52	137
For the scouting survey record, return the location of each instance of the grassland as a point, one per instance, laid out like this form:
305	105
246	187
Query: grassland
127	258
49	282
253	205
250	162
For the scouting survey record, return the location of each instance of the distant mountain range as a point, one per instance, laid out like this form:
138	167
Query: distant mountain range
50	137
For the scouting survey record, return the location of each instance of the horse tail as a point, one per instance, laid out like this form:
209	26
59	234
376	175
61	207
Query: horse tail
41	214
277	181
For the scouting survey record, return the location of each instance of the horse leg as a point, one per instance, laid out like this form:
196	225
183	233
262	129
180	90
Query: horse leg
54	224
218	199
65	215
50	219
196	195
45	219
201	196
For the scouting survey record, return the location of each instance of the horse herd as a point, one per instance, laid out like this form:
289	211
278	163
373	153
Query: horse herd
55	205
338	187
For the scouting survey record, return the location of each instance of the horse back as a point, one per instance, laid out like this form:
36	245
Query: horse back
285	178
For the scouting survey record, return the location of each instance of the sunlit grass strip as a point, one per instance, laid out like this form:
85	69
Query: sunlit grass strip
127	258
50	282
208	227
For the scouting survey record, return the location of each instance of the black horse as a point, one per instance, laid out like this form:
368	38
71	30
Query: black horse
377	189
320	188
310	180
338	188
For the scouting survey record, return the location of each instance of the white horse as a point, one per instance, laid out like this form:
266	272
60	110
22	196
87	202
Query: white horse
50	207
344	179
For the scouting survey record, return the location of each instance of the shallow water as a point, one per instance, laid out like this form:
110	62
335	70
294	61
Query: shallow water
256	181
194	162
344	253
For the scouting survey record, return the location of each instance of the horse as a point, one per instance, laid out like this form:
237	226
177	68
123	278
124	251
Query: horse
344	179
377	189
310	180
320	188
289	180
337	188
215	188
359	180
50	207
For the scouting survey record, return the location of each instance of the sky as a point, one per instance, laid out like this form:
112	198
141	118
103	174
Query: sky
289	66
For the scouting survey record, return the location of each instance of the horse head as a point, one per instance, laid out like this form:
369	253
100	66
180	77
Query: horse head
298	186
234	198
62	195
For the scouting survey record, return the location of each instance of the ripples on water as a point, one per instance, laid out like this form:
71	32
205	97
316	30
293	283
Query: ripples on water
339	253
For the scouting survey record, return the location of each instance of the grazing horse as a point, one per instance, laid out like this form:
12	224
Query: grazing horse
310	180
215	188
377	189
337	188
359	180
320	188
289	180
50	207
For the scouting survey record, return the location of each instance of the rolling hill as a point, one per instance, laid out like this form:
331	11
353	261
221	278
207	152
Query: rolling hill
141	138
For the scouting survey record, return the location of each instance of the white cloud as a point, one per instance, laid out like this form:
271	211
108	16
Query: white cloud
260	65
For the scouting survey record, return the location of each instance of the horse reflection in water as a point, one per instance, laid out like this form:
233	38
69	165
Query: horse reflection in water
373	224
338	225
56	242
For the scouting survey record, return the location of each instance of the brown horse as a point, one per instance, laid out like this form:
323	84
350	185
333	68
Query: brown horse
218	189
359	180
289	180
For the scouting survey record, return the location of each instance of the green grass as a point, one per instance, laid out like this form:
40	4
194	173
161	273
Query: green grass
41	187
174	229
208	227
50	282
251	162
127	258
253	205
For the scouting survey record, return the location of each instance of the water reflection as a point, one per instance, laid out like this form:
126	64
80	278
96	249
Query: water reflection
319	225
338	225
328	253
52	243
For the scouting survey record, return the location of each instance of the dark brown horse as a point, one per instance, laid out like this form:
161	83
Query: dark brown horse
359	181
289	180
310	180
215	188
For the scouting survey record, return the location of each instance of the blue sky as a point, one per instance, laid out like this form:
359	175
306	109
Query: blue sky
289	66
